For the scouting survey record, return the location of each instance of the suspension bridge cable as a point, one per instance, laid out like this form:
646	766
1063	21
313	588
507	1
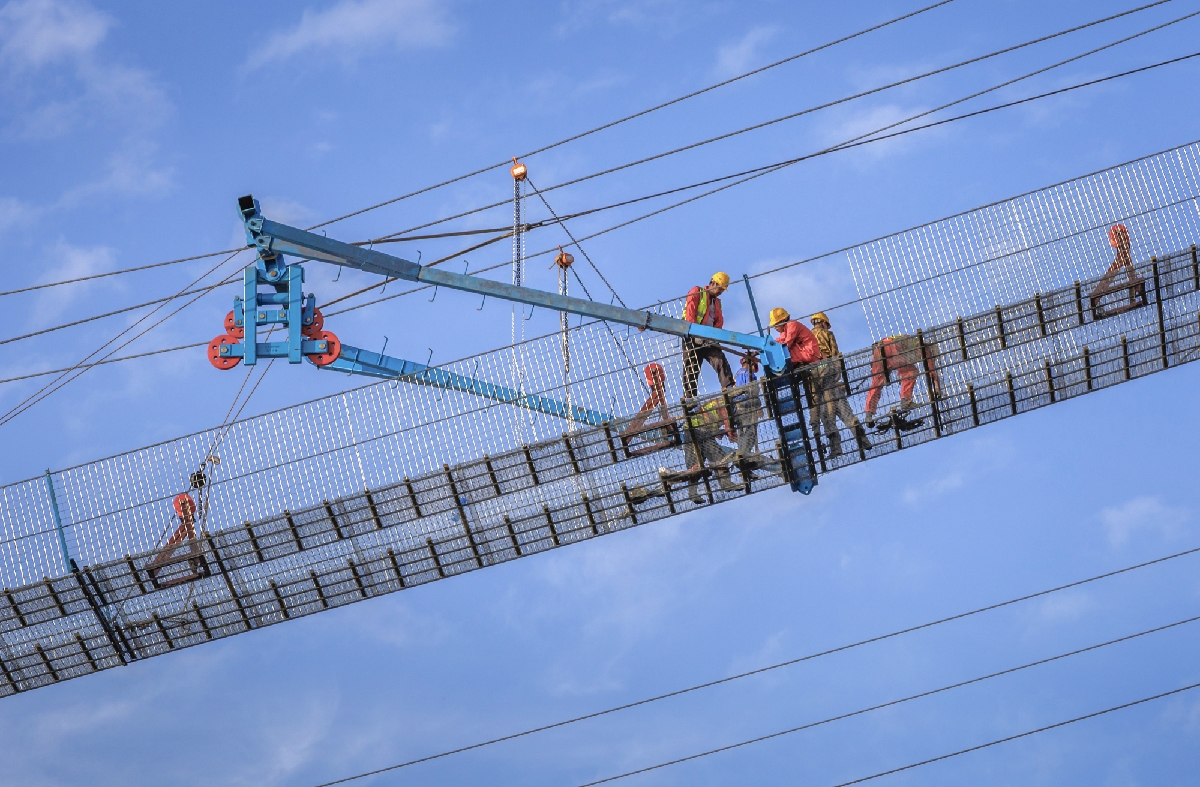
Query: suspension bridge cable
910	698
756	172
122	310
779	665
830	104
642	113
101	363
33	287
1026	734
395	237
78	369
861	140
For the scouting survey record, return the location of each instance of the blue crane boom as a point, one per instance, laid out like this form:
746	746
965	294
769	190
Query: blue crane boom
272	239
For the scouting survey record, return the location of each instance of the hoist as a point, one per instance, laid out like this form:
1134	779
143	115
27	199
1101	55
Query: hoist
273	297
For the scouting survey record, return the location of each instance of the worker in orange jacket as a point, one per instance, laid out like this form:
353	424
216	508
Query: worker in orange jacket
900	354
802	346
703	306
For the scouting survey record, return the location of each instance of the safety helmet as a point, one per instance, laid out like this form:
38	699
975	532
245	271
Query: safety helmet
779	315
721	278
821	316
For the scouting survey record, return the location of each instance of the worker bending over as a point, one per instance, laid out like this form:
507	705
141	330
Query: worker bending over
705	425
900	354
801	345
703	306
829	392
747	405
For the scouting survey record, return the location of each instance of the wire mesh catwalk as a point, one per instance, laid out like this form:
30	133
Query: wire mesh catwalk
562	490
396	484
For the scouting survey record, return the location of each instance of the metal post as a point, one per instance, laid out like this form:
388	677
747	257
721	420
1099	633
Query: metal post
1158	304
754	307
58	525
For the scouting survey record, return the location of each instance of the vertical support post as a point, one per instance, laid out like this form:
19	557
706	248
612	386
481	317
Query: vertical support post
1012	393
962	338
512	535
1125	356
1087	366
974	403
250	315
58	526
1049	380
1000	328
1195	269
1078	302
1158	305
754	307
1041	313
929	387
295	275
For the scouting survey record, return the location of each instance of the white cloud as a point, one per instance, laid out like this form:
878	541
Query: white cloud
351	26
743	54
35	33
14	212
1141	515
129	173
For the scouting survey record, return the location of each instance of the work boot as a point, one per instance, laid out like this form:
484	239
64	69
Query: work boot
694	494
835	445
860	434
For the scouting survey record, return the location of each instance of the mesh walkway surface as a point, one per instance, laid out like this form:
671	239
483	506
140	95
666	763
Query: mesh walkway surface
397	484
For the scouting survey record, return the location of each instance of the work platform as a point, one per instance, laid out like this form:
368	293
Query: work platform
586	483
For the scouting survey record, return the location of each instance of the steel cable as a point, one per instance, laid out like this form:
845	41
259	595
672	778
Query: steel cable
779	665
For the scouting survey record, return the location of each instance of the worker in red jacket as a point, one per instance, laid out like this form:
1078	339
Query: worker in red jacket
801	344
703	306
901	354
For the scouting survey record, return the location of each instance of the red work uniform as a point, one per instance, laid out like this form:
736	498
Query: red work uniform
801	344
900	354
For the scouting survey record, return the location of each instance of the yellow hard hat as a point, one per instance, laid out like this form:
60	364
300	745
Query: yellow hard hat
779	315
722	278
821	316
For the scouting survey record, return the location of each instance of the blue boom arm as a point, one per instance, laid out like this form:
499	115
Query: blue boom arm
273	239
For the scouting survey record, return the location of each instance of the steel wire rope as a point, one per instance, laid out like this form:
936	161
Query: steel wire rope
392	238
825	106
1020	735
768	272
864	139
578	245
79	368
102	363
122	310
876	135
910	698
779	665
641	113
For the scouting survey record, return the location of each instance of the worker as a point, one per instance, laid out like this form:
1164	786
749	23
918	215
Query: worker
704	426
703	306
747	405
801	344
829	392
900	354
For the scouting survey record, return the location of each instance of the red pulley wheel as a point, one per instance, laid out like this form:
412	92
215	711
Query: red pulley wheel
214	352
318	324
232	328
333	349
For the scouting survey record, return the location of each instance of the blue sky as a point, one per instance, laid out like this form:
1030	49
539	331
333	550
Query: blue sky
128	130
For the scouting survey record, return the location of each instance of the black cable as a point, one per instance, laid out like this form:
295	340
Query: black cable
101	363
910	698
122	310
790	662
1020	735
839	101
114	273
79	368
643	112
